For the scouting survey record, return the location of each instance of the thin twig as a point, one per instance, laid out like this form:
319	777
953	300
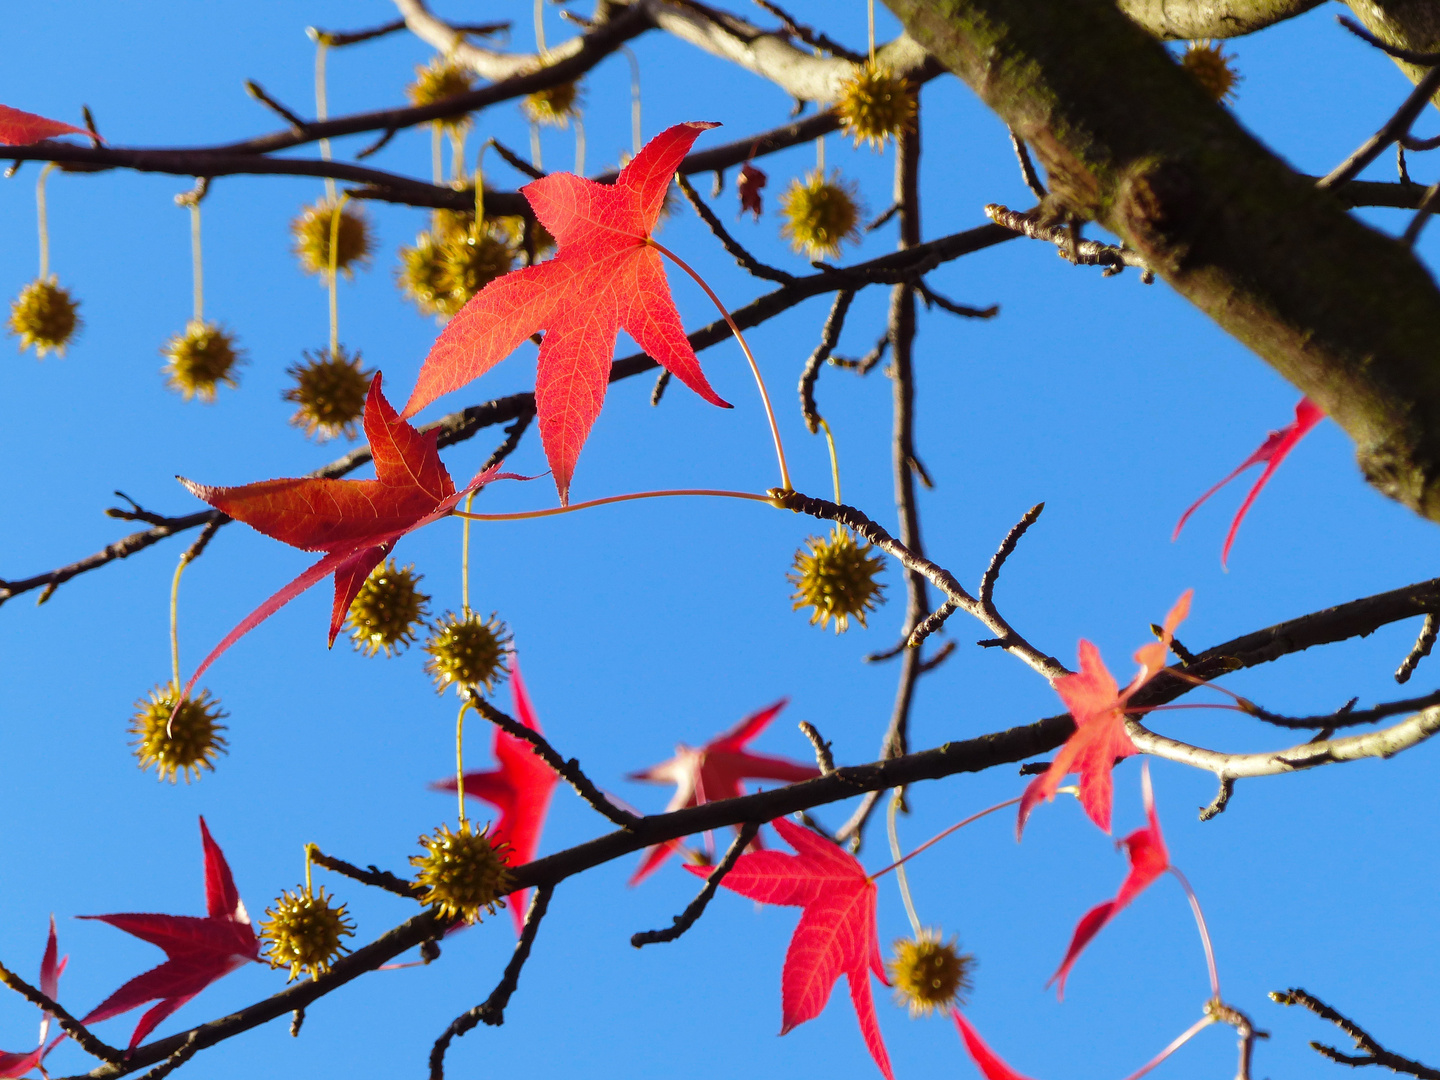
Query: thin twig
1006	549
1427	207
195	550
514	160
696	907
1067	244
810	36
865	364
1393	128
733	246
658	390
1346	716
1373	1052
492	1011
72	1027
380	879
379	144
894	209
1421	649
186	1051
941	655
338	40
829	338
934	299
1410	56
1027	167
823	756
928	625
569	771
1244	1029
256	91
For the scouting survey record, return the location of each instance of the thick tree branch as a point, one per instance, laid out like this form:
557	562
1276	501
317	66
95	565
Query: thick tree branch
1186	20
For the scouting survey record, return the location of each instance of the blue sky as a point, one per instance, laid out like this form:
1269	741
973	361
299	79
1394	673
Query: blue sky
654	623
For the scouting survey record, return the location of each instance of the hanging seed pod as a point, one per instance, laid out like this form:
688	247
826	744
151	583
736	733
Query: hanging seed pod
44	315
469	261
930	975
875	105
554	106
467	651
836	577
820	214
1212	68
329	393
310	231
388	610
303	931
419	275
437	81
463	872
174	740
200	359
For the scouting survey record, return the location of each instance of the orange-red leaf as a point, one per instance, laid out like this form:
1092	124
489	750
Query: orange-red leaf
605	277
836	935
986	1060
1272	452
1098	706
22	128
355	522
715	772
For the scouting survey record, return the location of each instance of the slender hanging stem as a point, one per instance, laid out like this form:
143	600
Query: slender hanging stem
457	154
480	185
754	367
309	883
900	879
460	759
872	33
820	156
175	621
196	261
335	215
834	464
1180	1040
526	515
635	129
540	29
43	219
322	109
944	833
535	158
1204	932
465	559
437	169
579	145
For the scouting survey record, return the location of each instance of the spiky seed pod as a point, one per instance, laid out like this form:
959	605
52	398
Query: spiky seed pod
303	930
311	235
876	104
330	393
466	650
200	359
447	223
387	610
836	577
187	744
1212	68
441	78
463	871
820	214
419	275
43	315
469	261
930	974
553	107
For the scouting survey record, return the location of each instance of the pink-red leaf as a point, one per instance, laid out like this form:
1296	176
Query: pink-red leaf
355	522
748	188
1098	706
22	128
1272	452
520	789
986	1060
198	949
714	772
836	935
1148	860
605	277
14	1065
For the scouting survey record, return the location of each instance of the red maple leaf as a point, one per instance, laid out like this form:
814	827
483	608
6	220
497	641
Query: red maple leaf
1098	706
355	522
715	772
1148	860
198	950
520	788
22	128
607	276
836	934
986	1060
12	1064
748	187
1272	451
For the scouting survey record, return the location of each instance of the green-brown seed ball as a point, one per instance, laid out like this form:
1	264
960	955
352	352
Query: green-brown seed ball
175	741
329	393
303	931
835	577
198	361
387	610
462	871
44	315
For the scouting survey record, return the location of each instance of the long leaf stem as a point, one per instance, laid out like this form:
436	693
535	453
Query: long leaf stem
897	797
754	367
943	834
525	515
42	219
1204	932
1180	1040
335	213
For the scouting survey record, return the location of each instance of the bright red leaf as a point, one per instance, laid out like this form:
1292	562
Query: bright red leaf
748	187
606	277
12	1064
520	789
1148	860
986	1060
836	935
22	128
715	772
198	950
1098	707
1272	452
355	522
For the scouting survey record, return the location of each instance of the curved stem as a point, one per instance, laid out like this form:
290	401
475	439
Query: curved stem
896	798
196	261
535	158
1180	1040
1204	932
465	558
943	834
579	145
526	515
754	367
334	275
635	140
309	862
175	621
43	220
540	28
460	759
437	166
322	110
834	460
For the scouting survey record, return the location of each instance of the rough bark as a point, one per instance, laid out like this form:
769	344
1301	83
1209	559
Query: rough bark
1190	19
1348	315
